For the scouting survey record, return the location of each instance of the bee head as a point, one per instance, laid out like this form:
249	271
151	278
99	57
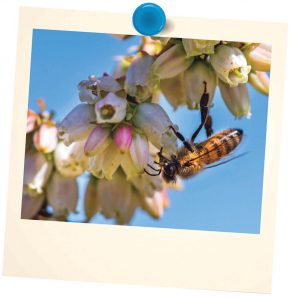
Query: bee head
169	171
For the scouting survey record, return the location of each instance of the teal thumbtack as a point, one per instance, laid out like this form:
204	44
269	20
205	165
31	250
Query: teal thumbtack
149	19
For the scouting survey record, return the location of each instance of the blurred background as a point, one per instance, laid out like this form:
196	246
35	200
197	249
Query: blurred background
226	198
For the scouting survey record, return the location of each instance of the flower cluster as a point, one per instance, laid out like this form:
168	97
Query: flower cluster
119	198
45	180
52	166
177	68
116	130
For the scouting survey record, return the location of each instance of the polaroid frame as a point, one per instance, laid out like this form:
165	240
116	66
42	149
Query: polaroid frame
138	255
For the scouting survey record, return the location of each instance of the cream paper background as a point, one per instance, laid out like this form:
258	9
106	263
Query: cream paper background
137	255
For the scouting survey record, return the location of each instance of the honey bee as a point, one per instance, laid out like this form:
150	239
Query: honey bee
193	158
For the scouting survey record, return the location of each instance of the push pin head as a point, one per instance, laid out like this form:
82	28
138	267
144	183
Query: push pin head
149	19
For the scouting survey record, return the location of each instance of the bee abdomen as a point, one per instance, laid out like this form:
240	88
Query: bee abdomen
219	145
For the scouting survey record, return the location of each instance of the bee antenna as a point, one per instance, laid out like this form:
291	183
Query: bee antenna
226	161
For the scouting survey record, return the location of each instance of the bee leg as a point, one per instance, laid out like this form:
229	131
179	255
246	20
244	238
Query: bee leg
152	168
162	159
181	138
152	174
208	126
204	108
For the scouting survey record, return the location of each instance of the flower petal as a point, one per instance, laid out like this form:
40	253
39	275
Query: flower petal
259	56
115	196
111	109
128	166
155	123
31	205
230	65
97	141
91	200
70	161
156	204
260	81
62	194
194	47
174	90
77	124
147	185
236	99
139	82
37	170
139	151
171	62
113	160
195	76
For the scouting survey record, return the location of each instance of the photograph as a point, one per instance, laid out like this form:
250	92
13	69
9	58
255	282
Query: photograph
146	131
148	160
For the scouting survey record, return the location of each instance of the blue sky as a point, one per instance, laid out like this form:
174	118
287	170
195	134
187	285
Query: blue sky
226	198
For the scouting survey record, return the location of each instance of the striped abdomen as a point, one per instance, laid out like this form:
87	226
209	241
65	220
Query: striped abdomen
217	146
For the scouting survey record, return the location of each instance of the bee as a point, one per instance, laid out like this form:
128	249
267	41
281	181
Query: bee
193	158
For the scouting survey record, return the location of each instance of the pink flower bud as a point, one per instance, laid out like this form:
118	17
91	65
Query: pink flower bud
33	120
97	141
123	137
45	139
